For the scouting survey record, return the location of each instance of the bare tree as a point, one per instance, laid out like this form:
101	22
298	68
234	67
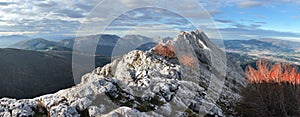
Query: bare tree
273	90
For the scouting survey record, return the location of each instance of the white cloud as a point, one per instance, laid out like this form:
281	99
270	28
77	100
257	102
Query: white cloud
18	33
240	33
249	3
285	38
65	16
42	16
112	9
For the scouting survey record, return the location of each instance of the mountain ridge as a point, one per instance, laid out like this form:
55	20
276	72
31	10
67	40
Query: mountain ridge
110	90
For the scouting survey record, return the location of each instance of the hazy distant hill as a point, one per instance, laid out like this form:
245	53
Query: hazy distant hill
131	42
5	41
106	44
39	44
283	43
104	39
104	48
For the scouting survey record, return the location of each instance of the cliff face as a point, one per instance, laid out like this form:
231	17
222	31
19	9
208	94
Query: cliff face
199	81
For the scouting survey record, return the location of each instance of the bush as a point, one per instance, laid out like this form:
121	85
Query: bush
273	90
165	50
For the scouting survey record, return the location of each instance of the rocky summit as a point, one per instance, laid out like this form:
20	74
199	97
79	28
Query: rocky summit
199	81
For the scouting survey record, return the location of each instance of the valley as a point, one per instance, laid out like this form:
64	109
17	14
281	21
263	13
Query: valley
248	51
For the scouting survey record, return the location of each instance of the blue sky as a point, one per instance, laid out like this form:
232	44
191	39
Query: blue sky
235	19
276	19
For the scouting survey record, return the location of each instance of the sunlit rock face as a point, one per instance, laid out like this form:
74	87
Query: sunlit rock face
200	80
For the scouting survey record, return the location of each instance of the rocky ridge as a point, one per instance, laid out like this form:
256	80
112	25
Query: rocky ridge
144	83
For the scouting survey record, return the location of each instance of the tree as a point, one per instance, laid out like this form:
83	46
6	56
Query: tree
279	73
273	90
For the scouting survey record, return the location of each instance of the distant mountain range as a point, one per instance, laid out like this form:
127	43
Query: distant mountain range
40	44
283	43
105	47
114	46
248	51
5	41
255	45
107	43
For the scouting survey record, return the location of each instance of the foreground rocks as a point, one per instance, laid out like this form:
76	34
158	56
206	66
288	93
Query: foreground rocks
199	81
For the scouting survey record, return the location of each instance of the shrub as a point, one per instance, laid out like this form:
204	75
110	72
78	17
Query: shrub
165	50
273	90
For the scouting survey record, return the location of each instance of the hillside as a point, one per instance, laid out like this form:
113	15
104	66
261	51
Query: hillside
26	74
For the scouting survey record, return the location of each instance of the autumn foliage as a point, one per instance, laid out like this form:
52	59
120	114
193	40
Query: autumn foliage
165	50
169	51
266	72
273	90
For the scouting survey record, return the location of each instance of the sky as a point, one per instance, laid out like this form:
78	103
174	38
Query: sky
234	19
